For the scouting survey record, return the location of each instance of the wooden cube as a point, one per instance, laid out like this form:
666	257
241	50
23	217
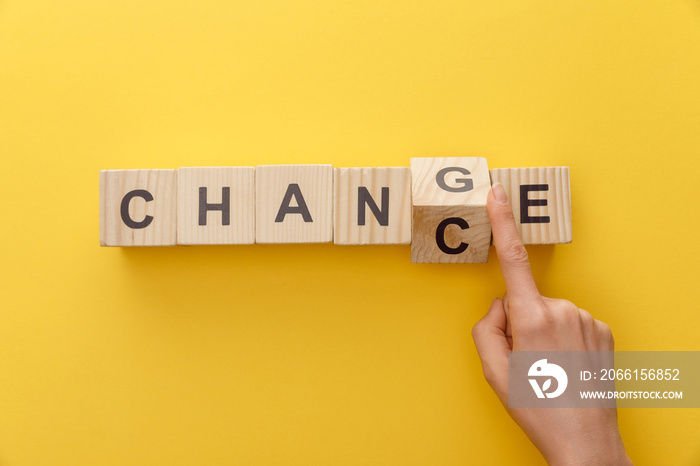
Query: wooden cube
450	222
541	201
138	207
216	205
294	203
372	206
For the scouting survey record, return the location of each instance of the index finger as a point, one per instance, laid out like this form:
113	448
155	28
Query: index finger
512	255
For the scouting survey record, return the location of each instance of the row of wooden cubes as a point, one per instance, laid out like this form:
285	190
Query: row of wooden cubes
438	205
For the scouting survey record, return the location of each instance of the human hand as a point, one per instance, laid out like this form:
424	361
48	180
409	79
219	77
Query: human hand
526	321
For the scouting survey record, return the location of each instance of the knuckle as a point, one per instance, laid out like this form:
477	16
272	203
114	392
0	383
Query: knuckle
476	330
569	306
506	214
563	306
605	333
556	314
586	319
515	254
572	318
539	323
489	374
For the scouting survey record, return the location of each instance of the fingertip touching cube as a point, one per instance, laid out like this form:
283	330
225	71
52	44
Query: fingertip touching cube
541	202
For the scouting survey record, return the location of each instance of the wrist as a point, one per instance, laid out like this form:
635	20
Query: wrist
613	454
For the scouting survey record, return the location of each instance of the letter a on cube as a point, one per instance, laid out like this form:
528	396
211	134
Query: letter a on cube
541	201
138	207
294	204
450	222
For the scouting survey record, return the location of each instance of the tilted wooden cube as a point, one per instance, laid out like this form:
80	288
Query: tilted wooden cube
450	222
541	201
216	205
372	205
138	207
294	203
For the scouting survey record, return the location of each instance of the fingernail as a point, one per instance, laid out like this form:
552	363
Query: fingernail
499	193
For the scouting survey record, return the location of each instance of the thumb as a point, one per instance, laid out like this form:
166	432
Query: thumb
492	345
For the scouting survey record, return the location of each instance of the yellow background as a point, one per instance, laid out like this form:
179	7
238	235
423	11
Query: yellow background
321	354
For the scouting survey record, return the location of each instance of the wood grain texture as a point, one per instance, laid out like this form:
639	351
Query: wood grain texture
347	183
426	191
315	183
162	229
557	196
424	246
239	185
450	188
